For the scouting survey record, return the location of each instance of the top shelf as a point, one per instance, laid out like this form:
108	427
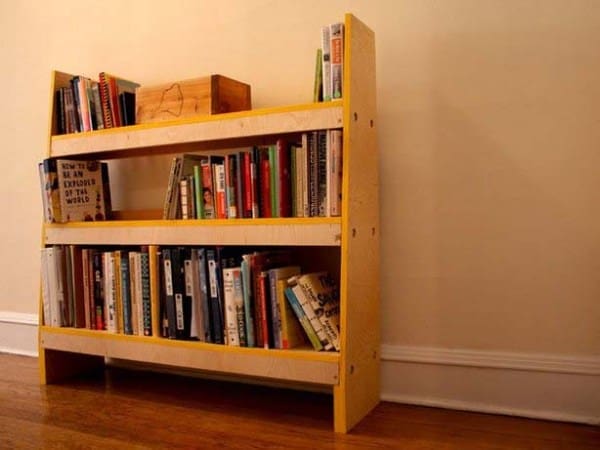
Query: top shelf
228	130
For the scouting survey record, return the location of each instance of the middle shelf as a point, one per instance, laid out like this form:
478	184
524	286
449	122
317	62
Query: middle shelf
325	231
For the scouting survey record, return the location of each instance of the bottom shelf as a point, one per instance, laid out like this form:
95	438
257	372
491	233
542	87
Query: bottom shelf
303	366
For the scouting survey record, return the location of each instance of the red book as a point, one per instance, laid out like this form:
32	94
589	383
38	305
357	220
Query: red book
265	183
259	263
285	178
247	181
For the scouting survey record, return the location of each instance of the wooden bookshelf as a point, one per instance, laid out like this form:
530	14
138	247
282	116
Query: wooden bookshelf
349	243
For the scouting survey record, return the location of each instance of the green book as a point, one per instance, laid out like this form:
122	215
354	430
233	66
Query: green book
198	197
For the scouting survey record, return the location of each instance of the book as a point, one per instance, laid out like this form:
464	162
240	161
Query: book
109	291
234	304
292	332
248	299
326	64
145	288
125	291
50	191
195	286
318	84
182	167
310	312
83	190
323	294
274	275
334	173
303	319
336	35
215	296
111	88
260	263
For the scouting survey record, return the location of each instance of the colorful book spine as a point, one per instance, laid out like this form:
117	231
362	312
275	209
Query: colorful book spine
336	32
325	47
303	319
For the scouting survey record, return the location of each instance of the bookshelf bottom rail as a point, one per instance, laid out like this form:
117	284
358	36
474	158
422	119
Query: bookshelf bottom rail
227	361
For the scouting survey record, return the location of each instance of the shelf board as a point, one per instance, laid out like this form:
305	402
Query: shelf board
140	140
292	365
288	231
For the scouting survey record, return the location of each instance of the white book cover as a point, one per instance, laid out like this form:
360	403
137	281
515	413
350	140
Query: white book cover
233	300
325	45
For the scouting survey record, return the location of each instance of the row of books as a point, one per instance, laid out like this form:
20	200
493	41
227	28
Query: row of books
226	295
74	190
286	179
329	71
87	105
97	288
221	295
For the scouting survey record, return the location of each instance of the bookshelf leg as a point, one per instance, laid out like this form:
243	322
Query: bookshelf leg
56	365
356	395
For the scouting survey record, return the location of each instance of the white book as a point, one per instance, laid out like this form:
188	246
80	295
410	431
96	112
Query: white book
310	312
108	265
323	295
334	173
325	46
233	299
336	58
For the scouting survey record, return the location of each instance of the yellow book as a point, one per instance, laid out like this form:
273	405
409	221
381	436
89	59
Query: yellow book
292	334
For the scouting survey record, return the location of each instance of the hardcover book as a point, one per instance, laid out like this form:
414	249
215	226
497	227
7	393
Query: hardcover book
83	190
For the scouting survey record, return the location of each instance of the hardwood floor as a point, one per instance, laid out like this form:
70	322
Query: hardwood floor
132	409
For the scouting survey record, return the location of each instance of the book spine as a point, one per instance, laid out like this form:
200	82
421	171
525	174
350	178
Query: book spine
274	180
51	190
198	199
334	190
184	200
208	190
45	286
216	309
275	315
265	183
284	199
169	293
336	32
322	172
220	191
99	291
325	46
204	294
105	100
322	293
248	300
318	84
310	314
229	294
304	321
313	175
109	291
145	282
126	293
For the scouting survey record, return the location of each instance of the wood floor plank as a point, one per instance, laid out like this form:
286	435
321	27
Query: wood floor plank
130	409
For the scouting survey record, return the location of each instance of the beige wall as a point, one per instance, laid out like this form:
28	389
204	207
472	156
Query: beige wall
488	131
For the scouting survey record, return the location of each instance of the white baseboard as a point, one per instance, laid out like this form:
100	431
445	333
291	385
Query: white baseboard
553	387
19	333
541	386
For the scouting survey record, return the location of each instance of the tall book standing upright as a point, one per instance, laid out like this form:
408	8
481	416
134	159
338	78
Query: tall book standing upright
346	246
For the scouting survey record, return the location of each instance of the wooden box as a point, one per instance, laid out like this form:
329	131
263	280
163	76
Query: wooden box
213	94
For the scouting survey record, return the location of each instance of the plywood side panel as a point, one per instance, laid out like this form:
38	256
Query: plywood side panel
358	391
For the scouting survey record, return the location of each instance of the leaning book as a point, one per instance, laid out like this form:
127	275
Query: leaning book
83	190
